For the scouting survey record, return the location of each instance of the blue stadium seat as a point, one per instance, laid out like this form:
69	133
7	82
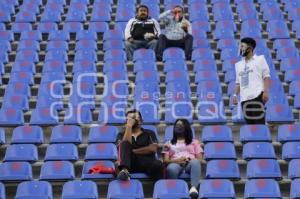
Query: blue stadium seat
208	87
290	150
229	53
86	44
57	152
291	63
227	43
222	169
6	35
54	98
86	54
287	52
170	189
25	16
57	170
5	16
124	13
177	75
29	45
294	191
279	113
115	55
21	152
143	54
223	24
101	15
28	55
206	75
199	12
288	132
283	43
66	134
219	150
101	151
88	78
80	189
27	135
293	170
222	11
113	34
251	31
34	189
205	64
171	53
31	35
125	189
11	117
51	17
16	101
23	66
211	114
60	55
262	188
182	109
113	44
147	75
18	88
57	77
201	26
84	66
223	34
55	66
47	27
255	133
248	12
57	45
201	43
5	45
59	35
73	17
202	53
217	133
149	112
90	164
297	101
78	115
258	150
20	27
277	29
216	189
98	26
264	168
110	66
15	171
102	134
44	116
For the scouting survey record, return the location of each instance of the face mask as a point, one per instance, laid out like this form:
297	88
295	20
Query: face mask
244	52
136	124
179	131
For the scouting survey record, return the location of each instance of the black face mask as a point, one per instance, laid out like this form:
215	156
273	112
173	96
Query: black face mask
245	52
179	131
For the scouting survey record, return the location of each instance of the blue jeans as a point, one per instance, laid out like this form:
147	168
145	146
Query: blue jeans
193	168
136	44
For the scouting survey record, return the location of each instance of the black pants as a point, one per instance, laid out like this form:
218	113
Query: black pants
253	110
186	44
139	163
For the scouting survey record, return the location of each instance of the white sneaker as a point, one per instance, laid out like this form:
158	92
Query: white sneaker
193	193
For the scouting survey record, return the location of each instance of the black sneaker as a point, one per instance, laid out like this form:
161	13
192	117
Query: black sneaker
123	175
193	193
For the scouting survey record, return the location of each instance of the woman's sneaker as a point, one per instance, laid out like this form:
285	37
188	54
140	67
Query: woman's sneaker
123	175
193	193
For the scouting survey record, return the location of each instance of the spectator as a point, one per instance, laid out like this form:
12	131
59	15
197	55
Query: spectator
137	149
141	32
178	32
252	83
184	153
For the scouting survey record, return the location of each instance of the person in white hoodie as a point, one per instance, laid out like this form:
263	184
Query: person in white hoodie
178	32
141	31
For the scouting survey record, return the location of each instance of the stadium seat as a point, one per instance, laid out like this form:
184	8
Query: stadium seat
34	189
287	52
113	34
115	55
263	168
6	35
84	66
86	54
80	189
101	151
289	133
57	152
11	117
98	26
57	170
182	109
222	169
27	135
290	63
29	45
216	188
206	75
294	191
86	44
170	189
277	29
15	171
216	133
177	75
27	55
21	152
209	88
25	16
21	26
143	54
125	189
255	133
90	164
211	113
283	43
219	150
113	44
202	53
279	113
57	45
16	101
258	150
171	53
98	134
66	134
44	116
262	188
78	115
290	150
59	35
111	115
293	169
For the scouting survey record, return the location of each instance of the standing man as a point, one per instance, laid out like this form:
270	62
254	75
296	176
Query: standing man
141	32
137	148
252	83
178	32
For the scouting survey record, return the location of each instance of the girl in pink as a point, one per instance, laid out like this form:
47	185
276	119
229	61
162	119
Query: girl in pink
183	153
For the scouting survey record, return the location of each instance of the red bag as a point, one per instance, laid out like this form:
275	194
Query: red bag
101	169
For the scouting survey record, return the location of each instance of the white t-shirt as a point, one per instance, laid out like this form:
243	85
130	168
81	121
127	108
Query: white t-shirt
250	76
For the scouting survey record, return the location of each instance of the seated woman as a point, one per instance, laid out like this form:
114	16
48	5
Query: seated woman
183	153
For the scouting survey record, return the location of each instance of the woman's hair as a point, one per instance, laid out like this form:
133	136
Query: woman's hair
188	134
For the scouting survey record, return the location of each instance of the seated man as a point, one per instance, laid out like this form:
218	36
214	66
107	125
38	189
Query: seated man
141	32
137	148
178	32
